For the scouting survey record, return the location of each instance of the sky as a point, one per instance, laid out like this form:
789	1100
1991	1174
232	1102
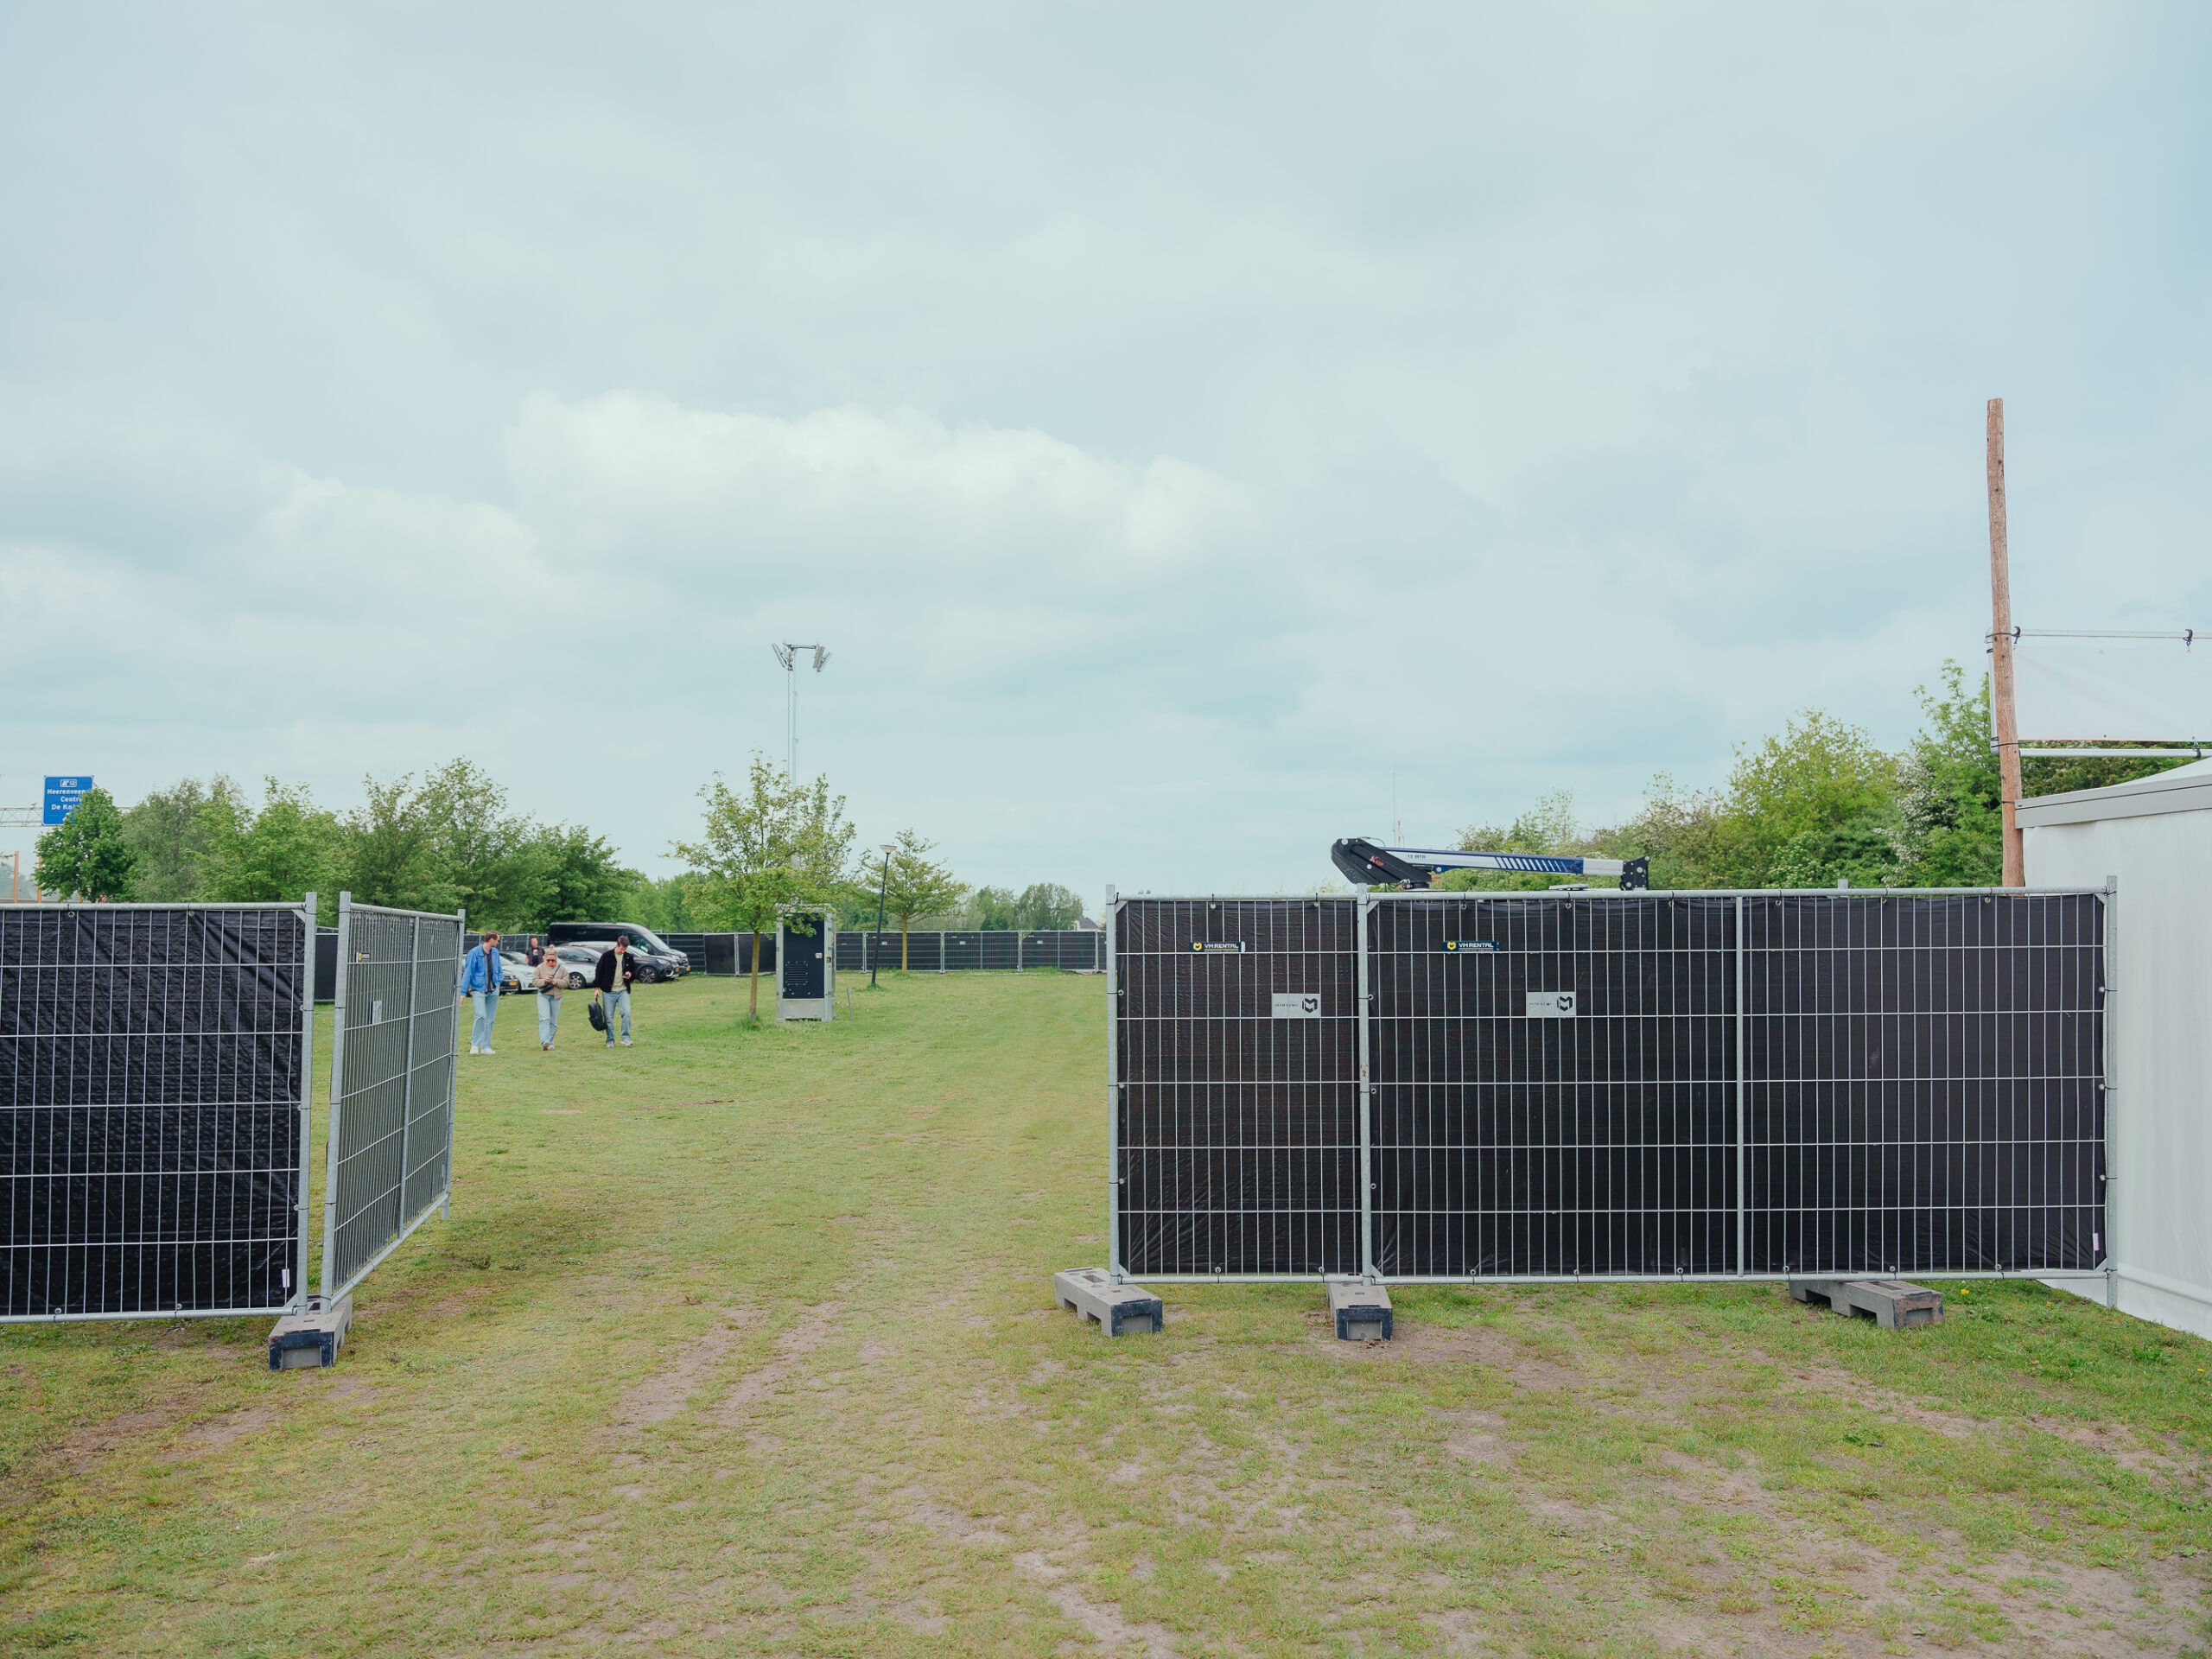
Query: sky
1195	432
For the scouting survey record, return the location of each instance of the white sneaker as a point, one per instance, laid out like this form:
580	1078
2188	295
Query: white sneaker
488	1051
626	1042
474	1050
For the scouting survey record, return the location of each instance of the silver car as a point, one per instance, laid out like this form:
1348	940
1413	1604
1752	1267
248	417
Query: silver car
580	960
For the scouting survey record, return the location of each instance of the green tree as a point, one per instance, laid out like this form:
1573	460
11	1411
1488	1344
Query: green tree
387	857
287	849
997	909
476	851
1046	905
1948	791
775	848
87	852
166	830
915	885
1819	775
582	880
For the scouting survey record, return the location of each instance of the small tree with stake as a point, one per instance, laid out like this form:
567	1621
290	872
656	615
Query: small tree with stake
915	886
776	845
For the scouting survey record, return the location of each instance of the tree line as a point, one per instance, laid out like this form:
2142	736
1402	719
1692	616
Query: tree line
449	842
444	842
1816	803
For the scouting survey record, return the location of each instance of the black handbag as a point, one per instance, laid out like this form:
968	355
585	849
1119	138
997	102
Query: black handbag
598	1015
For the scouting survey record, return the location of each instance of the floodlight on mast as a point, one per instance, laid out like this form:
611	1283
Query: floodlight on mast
787	659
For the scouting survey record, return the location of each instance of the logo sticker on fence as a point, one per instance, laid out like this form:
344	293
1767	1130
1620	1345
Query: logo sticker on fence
1215	947
1551	1005
1462	946
1296	1004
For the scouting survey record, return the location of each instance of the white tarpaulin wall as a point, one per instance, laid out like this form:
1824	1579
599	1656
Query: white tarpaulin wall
2155	836
2113	691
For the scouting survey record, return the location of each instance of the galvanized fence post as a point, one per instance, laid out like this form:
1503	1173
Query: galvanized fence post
2105	959
1363	1003
298	1299
1113	1094
407	1065
1743	1115
337	1090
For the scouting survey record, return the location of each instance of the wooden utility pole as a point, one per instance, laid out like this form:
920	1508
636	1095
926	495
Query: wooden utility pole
2000	654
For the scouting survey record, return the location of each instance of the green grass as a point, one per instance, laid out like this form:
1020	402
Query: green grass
741	1341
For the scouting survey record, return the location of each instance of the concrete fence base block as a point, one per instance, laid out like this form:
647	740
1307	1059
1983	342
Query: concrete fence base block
1890	1303
309	1341
1120	1310
1362	1311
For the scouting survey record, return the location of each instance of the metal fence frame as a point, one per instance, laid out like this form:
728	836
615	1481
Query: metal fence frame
939	951
305	913
426	997
1739	1084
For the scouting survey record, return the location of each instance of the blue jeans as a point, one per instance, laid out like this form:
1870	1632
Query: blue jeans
612	1000
549	1017
487	1004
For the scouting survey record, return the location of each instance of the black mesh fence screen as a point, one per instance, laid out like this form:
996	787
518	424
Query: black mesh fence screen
1926	1082
1517	1135
151	1081
1079	950
1237	1129
1644	1086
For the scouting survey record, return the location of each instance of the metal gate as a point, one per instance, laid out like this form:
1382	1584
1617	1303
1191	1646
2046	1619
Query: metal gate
388	1162
1469	1086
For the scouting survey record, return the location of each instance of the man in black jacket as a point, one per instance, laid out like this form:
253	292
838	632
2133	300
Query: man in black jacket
610	980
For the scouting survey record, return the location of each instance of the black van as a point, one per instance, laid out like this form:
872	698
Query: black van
670	962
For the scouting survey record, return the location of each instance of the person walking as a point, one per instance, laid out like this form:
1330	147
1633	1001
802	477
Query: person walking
550	977
610	979
483	971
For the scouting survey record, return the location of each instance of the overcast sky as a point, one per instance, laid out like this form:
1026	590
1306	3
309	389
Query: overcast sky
1176	420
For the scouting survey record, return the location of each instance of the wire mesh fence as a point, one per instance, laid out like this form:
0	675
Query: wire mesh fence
1071	950
390	1151
1236	1111
1601	1085
154	1067
1924	1081
1551	1085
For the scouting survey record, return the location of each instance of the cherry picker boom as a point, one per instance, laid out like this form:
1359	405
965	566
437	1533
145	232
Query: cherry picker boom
1366	864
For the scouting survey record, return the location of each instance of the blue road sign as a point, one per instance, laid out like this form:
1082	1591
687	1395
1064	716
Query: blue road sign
62	795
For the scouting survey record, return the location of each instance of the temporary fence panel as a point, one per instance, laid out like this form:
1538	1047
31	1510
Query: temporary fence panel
155	1063
723	953
1924	1082
994	950
1237	1146
326	964
390	1155
1551	1085
1636	1085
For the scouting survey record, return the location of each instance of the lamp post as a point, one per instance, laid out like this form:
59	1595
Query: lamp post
876	954
787	655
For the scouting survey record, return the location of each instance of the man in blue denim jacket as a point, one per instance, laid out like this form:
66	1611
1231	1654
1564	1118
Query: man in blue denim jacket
482	972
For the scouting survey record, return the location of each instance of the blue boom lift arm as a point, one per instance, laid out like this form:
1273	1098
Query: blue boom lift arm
1366	864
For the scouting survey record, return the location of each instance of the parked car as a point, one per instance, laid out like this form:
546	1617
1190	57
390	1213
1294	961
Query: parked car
652	965
579	960
514	973
643	940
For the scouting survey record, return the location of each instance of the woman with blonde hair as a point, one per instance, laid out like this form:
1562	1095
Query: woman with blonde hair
549	978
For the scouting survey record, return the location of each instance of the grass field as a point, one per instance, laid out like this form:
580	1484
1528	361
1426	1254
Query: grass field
743	1342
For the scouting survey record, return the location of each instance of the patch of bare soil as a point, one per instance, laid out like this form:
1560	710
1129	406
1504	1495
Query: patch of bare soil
1477	1437
232	1425
809	1333
83	1447
1422	1343
664	1394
